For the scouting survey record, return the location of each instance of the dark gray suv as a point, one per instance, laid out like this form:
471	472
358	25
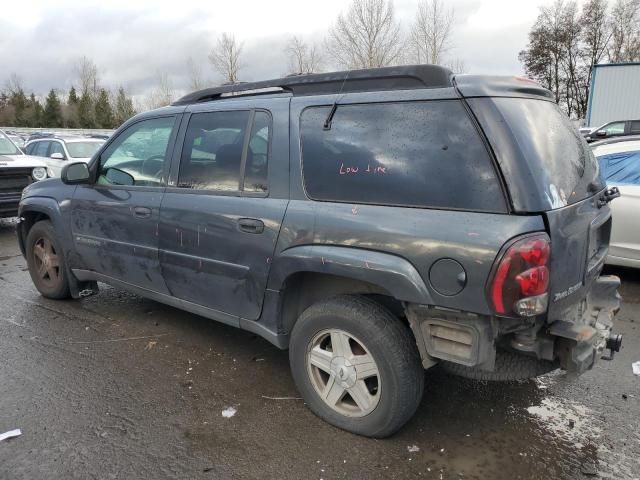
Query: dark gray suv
375	223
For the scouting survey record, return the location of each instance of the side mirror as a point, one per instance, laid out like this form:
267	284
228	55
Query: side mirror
75	173
57	156
115	176
601	133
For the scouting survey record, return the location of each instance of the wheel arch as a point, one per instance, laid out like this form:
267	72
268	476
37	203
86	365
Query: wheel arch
36	209
307	274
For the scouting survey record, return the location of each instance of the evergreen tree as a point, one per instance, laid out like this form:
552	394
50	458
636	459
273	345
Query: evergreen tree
52	111
70	110
18	100
103	112
86	118
35	112
73	97
123	108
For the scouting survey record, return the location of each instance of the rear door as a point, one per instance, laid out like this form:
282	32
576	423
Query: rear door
221	214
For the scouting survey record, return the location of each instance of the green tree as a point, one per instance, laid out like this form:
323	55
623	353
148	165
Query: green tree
52	110
103	112
123	107
34	112
73	97
18	100
86	117
70	110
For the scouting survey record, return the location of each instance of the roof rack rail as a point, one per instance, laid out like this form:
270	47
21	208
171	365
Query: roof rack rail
404	77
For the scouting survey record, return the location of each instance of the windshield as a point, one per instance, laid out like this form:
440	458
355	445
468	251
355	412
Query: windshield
83	149
7	147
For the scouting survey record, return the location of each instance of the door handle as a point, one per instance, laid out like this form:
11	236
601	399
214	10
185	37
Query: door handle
251	225
141	212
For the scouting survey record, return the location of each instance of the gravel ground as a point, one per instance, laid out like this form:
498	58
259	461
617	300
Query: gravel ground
115	386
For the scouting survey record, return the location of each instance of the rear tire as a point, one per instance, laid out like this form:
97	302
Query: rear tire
509	366
363	359
46	262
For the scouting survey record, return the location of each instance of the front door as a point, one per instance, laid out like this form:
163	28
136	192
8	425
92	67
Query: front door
114	221
220	221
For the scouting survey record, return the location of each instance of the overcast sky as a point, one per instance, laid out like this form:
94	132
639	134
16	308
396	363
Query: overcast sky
131	41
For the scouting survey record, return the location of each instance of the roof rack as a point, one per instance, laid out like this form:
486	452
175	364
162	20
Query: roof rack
404	77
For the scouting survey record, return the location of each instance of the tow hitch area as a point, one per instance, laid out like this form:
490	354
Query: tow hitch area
582	341
614	342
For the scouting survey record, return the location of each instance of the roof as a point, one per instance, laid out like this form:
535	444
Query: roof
614	140
623	64
67	139
387	78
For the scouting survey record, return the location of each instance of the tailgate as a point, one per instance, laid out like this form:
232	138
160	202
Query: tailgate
579	244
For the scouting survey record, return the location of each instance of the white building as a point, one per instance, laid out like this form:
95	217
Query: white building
614	93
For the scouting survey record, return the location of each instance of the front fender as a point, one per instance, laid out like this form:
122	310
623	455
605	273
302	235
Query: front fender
46	206
390	272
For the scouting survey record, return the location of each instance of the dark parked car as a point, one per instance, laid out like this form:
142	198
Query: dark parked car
375	223
618	128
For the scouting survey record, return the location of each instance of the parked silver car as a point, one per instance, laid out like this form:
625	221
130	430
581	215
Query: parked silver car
56	151
619	160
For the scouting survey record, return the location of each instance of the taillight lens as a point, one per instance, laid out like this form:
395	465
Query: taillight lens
520	281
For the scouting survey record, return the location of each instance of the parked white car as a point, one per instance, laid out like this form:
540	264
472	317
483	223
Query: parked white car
619	160
57	151
17	170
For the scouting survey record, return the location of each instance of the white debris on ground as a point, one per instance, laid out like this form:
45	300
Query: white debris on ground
10	434
636	368
229	412
413	448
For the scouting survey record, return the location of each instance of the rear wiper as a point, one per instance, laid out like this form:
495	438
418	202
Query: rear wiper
608	195
329	119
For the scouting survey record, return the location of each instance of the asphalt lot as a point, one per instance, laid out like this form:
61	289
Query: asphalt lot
118	387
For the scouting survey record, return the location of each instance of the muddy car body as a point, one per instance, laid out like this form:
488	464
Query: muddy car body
374	223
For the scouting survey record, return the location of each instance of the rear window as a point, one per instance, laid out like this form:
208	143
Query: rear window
422	154
561	167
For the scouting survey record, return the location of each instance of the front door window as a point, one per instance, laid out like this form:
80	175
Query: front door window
138	156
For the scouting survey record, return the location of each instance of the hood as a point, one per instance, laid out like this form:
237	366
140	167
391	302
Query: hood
20	161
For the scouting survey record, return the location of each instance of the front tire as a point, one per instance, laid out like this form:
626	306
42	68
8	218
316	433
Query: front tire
356	366
46	262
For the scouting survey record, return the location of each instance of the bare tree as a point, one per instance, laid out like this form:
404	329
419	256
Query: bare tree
456	65
225	57
625	25
87	72
196	82
162	94
431	31
14	84
367	36
303	58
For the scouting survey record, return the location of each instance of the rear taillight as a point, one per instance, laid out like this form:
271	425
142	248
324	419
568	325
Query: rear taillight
520	281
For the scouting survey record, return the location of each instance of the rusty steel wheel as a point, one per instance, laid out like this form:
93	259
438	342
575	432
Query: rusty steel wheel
45	261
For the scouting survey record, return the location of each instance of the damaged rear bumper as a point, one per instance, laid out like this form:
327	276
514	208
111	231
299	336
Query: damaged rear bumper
579	344
575	343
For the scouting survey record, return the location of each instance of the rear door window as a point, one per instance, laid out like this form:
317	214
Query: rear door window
420	154
212	151
635	127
